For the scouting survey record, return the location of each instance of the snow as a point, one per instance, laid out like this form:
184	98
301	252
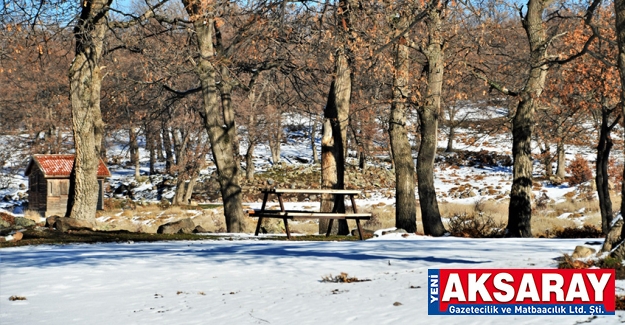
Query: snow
247	281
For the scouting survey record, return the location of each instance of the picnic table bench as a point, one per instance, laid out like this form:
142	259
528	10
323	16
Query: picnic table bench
285	214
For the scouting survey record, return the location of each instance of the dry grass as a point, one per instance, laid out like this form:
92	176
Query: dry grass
545	221
34	216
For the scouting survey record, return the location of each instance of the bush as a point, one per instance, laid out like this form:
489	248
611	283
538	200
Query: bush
580	171
586	231
474	225
567	262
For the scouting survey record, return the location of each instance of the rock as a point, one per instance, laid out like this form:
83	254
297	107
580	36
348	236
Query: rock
199	229
184	226
18	236
583	251
7	217
21	222
51	220
396	231
65	224
22	186
365	232
4	225
614	236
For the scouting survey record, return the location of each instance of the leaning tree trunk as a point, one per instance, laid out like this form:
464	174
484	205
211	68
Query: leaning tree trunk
601	170
619	10
520	208
332	163
428	116
405	201
220	133
85	80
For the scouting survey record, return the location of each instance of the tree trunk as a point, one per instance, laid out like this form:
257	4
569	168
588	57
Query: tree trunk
619	10
405	201
220	133
452	138
332	165
547	159
189	192
168	147
275	138
601	170
313	145
158	139
520	208
151	142
249	161
561	169
428	116
85	80
133	146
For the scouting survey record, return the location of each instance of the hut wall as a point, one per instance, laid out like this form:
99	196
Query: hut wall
58	190
37	191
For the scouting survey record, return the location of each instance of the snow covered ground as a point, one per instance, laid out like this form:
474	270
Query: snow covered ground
246	281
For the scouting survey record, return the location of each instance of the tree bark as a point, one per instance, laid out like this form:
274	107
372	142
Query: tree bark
275	138
133	148
85	80
336	117
332	165
313	145
619	10
520	208
547	159
451	138
221	133
428	116
249	161
168	147
601	170
405	201
561	169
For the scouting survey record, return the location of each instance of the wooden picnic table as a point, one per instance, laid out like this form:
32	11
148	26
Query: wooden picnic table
285	214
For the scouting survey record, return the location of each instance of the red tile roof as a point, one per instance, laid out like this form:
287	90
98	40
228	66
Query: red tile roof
60	166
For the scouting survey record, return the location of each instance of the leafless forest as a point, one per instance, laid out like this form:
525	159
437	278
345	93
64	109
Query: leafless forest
205	81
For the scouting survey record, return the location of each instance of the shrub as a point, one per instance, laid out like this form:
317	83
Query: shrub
580	171
476	225
567	262
587	231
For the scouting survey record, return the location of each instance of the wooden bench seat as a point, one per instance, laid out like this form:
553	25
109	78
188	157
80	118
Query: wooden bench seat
307	214
285	214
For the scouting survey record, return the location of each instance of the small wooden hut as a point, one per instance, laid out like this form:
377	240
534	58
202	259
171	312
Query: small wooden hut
48	183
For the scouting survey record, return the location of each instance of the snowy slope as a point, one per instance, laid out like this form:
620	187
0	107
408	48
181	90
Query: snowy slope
257	282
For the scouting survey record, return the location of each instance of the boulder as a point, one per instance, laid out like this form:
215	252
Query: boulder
583	252
199	229
51	220
4	225
24	223
65	224
365	232
7	217
184	226
614	235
